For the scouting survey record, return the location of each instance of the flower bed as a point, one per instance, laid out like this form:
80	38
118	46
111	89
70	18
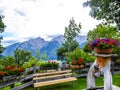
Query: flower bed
80	63
11	70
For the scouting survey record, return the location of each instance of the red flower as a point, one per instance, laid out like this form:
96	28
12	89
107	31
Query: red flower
98	44
5	73
80	60
8	67
13	69
0	72
73	62
20	69
104	43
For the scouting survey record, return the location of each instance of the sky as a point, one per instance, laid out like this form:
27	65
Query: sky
29	19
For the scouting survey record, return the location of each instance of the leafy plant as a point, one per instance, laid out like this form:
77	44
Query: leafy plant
21	56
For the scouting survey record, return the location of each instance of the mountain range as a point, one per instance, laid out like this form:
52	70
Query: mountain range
46	47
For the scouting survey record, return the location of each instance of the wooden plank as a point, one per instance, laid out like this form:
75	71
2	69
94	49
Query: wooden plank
50	73
104	55
8	78
7	83
22	86
52	76
54	82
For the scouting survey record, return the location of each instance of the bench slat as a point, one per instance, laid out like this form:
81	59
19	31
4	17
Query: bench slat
54	82
52	76
50	73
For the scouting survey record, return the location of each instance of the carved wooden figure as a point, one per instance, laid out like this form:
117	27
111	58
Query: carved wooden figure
101	66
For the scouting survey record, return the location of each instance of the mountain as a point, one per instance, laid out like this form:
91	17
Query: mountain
30	45
10	49
46	47
51	48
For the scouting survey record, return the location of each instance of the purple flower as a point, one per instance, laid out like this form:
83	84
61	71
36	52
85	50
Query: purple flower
104	43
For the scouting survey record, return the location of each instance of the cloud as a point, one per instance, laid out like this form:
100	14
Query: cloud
20	12
42	18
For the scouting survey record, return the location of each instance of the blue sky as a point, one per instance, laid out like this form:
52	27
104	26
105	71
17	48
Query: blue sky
26	19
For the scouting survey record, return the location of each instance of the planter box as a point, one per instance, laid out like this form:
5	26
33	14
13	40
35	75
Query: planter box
48	68
8	78
77	66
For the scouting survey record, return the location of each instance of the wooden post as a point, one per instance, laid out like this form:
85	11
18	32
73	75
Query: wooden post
104	62
34	69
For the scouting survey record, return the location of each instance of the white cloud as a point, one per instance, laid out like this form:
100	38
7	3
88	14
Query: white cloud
33	18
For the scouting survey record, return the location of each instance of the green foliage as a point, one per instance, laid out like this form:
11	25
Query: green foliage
47	63
26	65
21	56
75	55
70	43
2	27
5	88
61	53
116	50
78	53
103	31
43	57
70	33
39	56
108	10
86	48
32	61
9	61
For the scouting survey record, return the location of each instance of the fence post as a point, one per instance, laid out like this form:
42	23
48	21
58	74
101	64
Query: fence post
34	69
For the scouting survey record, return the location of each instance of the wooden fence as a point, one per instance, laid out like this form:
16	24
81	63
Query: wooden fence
26	77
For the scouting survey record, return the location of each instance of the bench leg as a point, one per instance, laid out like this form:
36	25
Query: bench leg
73	84
38	88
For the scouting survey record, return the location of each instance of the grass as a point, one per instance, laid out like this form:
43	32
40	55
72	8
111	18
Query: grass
78	85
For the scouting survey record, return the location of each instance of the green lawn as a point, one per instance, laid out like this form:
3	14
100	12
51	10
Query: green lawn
78	85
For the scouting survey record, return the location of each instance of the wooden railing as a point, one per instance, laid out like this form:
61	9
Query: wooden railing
26	77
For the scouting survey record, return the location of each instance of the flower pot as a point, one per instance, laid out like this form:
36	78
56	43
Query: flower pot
103	51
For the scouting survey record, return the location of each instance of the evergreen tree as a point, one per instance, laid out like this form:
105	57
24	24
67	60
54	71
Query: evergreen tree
2	27
71	32
70	43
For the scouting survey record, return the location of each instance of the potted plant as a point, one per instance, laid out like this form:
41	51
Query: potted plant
80	63
103	45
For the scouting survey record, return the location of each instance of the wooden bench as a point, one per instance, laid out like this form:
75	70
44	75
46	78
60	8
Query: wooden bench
55	77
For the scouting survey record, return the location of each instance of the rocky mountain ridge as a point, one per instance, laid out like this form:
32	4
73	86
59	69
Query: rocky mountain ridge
46	47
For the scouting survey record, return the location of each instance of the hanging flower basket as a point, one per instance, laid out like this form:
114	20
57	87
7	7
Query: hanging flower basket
103	50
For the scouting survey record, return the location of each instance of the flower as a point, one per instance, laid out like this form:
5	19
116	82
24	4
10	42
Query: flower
103	43
8	67
0	72
10	70
80	61
73	62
